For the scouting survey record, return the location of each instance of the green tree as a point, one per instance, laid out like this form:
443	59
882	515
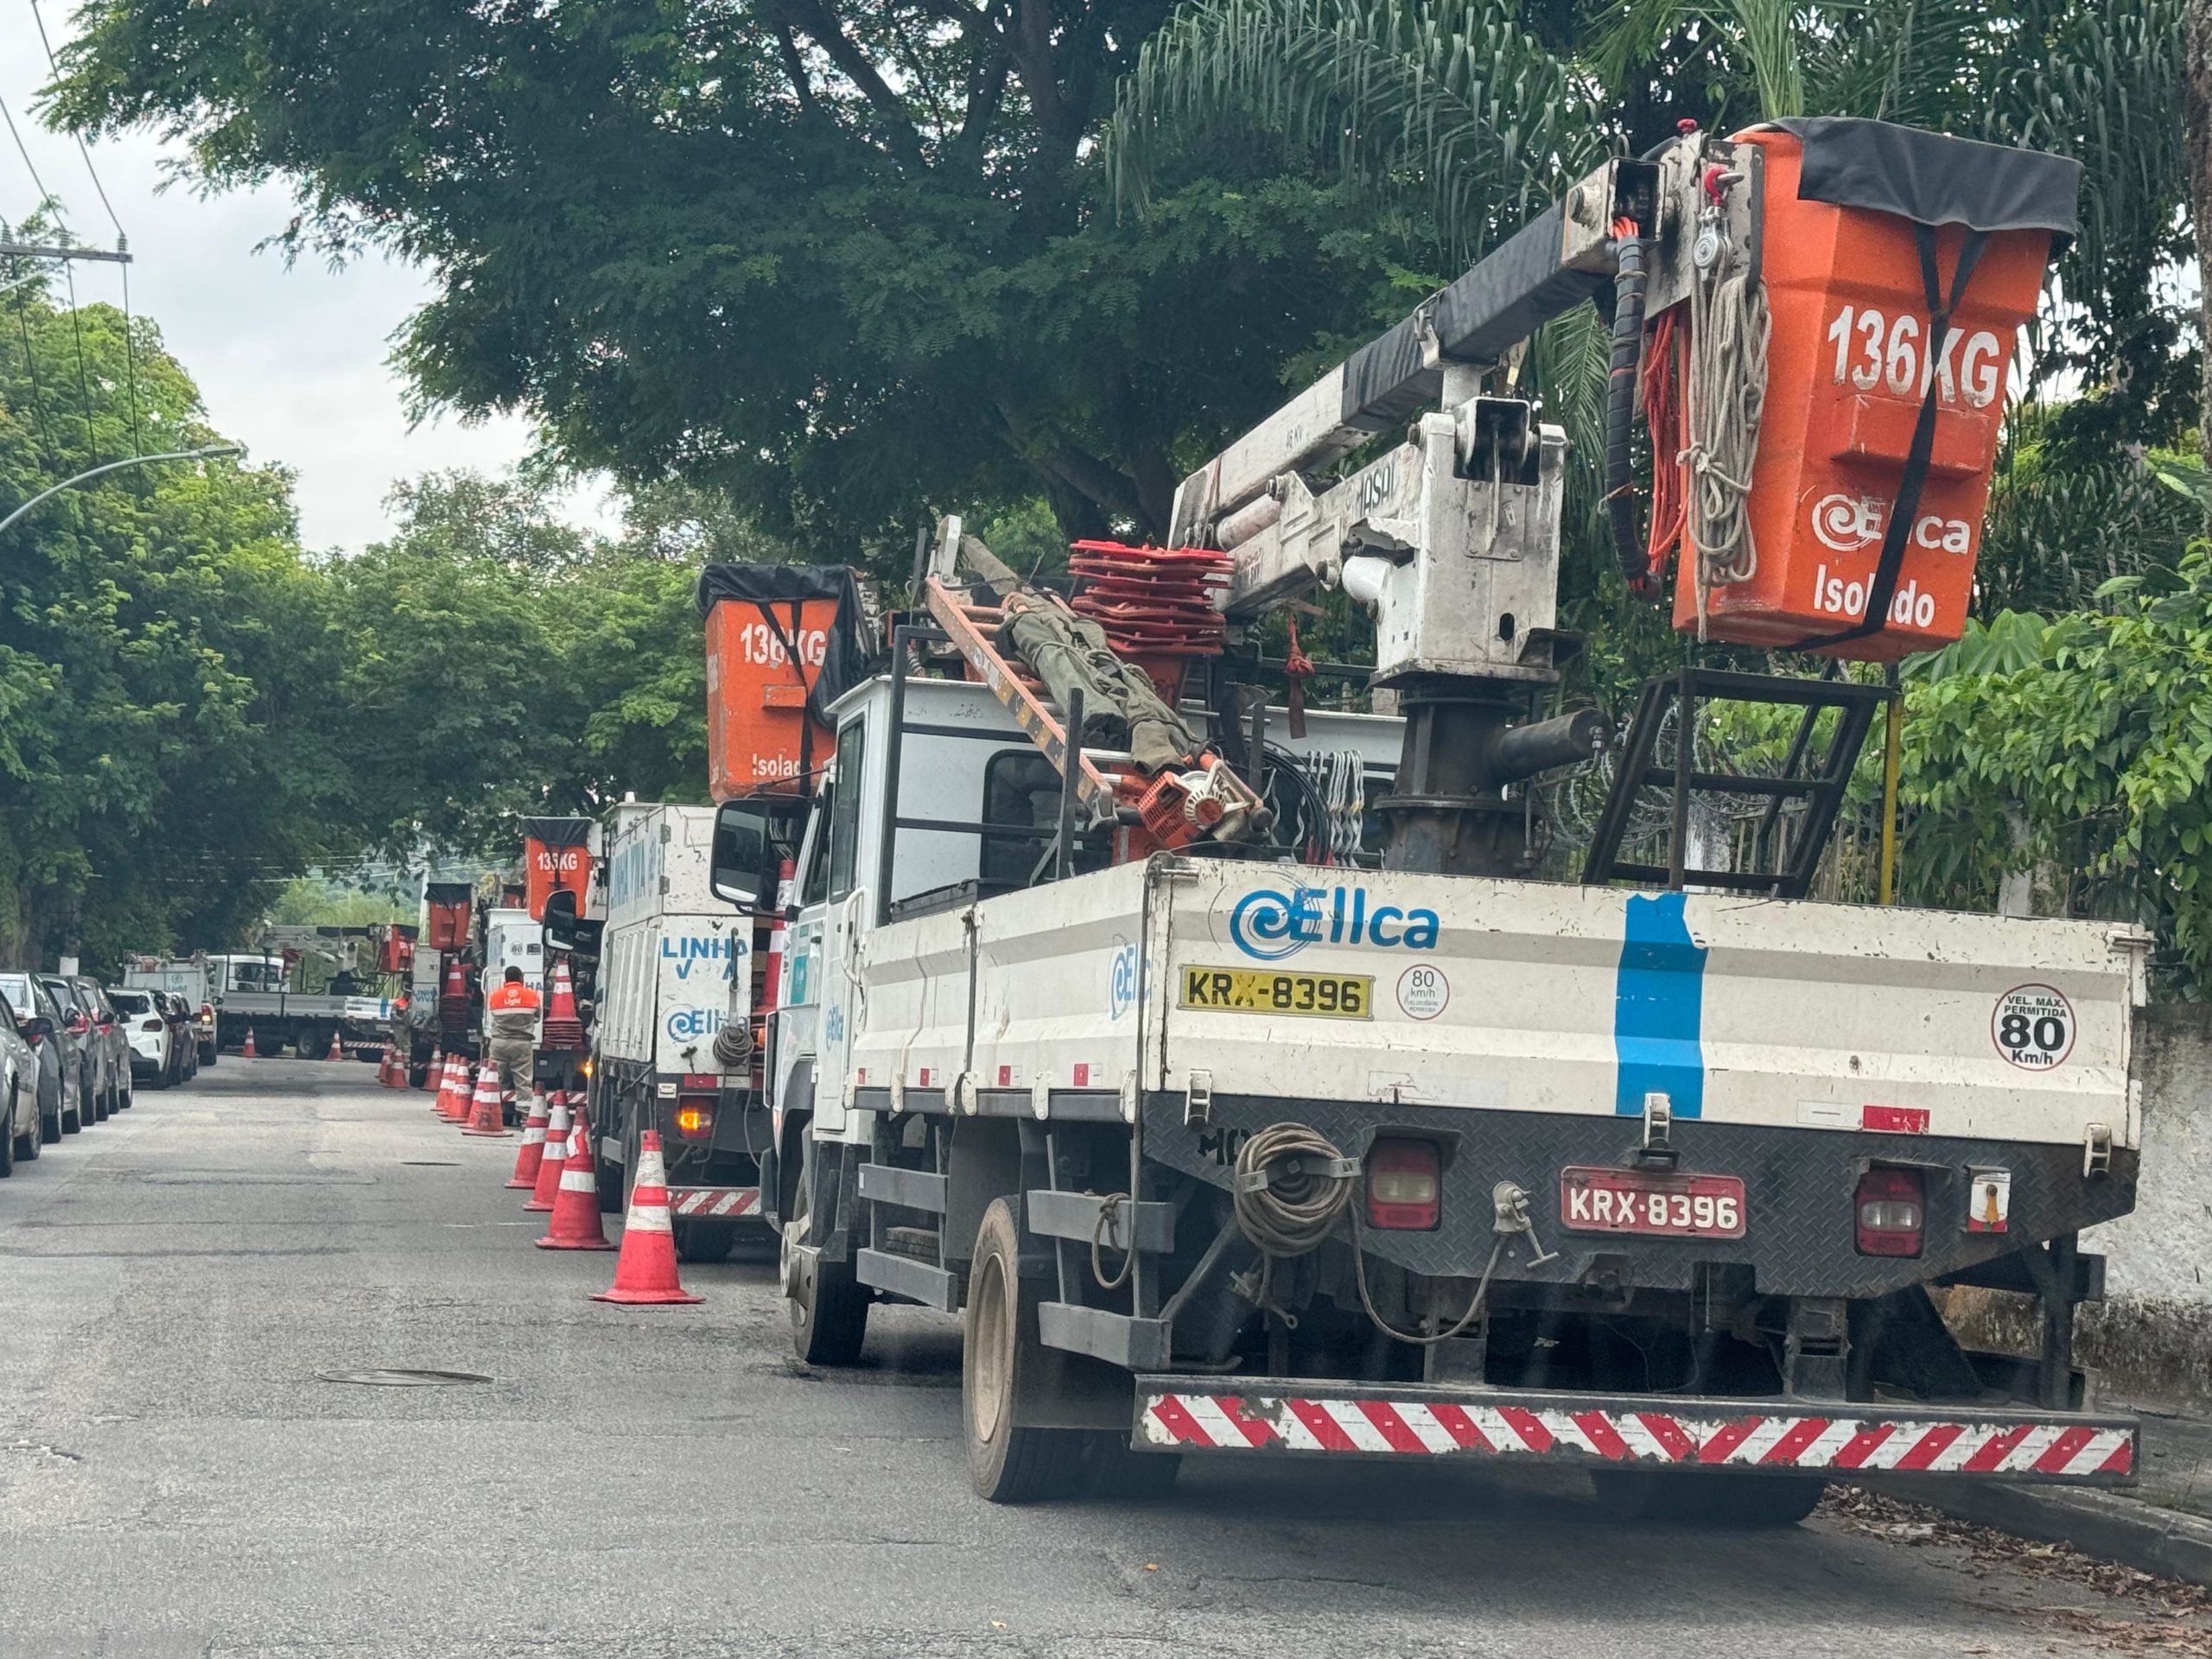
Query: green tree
168	660
837	256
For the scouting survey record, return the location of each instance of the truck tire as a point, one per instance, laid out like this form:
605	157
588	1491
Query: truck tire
1010	1462
1719	1498
1130	1477
704	1241
829	1307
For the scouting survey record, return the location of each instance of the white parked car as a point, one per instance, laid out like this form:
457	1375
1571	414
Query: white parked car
153	1040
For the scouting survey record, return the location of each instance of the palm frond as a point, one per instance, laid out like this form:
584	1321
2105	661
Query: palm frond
1449	108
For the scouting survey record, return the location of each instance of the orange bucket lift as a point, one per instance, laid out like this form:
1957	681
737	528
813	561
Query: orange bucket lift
1898	267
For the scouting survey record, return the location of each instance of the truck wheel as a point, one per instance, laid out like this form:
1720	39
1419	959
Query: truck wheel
1009	1462
829	1307
1714	1499
704	1241
1133	1477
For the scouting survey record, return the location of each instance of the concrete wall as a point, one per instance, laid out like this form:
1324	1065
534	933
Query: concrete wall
2152	1339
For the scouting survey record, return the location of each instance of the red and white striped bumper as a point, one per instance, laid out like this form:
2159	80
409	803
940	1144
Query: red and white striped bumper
1436	1422
714	1203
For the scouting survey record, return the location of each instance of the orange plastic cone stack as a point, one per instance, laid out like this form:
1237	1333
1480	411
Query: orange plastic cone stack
489	1119
561	1028
645	1274
247	1052
337	1048
440	1101
555	1155
455	1110
574	1224
531	1153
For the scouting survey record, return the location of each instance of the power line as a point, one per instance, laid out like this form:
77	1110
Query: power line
82	148
45	199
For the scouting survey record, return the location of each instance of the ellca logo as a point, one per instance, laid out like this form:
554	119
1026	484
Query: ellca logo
1271	926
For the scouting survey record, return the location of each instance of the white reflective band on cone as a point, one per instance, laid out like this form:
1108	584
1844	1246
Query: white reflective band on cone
650	1218
577	1180
651	1171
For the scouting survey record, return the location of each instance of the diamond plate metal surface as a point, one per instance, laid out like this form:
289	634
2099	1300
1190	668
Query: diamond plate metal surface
1798	1185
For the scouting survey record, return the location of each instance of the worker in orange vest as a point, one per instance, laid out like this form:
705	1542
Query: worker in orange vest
511	1009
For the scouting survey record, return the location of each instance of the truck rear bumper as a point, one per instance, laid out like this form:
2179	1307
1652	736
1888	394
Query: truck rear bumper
1300	1417
716	1203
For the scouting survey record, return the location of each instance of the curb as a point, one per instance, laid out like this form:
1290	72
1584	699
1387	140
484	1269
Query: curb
2167	1544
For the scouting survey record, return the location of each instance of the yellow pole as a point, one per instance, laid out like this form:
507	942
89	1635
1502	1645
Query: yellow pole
1892	744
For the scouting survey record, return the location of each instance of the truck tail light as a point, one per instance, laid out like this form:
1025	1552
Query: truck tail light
1889	1211
695	1117
1405	1186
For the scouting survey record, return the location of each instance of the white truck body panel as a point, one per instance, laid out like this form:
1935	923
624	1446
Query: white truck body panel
511	939
671	950
1540	998
189	979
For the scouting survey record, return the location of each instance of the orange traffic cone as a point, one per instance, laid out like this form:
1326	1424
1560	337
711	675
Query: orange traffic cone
455	1110
247	1052
531	1153
556	1154
574	1224
445	1085
337	1048
390	1073
434	1074
561	1027
489	1119
645	1274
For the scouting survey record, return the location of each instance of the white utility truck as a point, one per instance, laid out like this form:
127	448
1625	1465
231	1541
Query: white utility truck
1231	1141
188	977
672	959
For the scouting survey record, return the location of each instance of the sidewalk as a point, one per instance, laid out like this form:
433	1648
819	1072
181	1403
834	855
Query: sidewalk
2162	1525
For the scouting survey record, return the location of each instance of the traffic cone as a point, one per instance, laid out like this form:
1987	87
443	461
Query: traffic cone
337	1048
561	1028
574	1224
490	1117
532	1153
455	1110
645	1274
247	1052
445	1085
556	1153
390	1072
434	1074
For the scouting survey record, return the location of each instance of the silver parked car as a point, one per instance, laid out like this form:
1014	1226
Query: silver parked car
40	1019
94	1061
109	1025
19	1079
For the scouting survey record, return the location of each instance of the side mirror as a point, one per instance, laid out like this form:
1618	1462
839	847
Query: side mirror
560	922
741	865
36	1027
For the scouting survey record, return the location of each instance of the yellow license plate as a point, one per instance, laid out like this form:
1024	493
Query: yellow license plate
1263	990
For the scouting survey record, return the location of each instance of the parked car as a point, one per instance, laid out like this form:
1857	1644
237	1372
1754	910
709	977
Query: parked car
19	1071
151	1033
61	1095
185	1034
91	994
87	1052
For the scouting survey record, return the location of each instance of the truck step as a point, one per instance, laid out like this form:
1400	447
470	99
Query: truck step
918	1242
916	1281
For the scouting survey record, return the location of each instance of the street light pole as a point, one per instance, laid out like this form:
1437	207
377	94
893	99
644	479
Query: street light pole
128	460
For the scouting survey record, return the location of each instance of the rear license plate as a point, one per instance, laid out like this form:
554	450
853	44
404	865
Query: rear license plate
1667	1206
1260	991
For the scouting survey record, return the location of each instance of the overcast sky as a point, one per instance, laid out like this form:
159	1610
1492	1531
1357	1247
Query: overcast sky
292	361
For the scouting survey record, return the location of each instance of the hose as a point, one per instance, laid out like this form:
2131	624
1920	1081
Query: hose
1474	1302
1290	1189
1620	405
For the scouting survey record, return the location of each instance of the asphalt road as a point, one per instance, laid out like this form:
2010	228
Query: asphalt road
175	1479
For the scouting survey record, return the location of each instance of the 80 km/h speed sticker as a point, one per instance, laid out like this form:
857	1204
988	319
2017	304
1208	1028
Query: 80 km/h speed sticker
2033	1026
